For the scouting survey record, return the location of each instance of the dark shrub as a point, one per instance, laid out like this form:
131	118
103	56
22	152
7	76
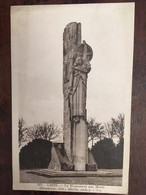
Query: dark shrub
36	154
104	153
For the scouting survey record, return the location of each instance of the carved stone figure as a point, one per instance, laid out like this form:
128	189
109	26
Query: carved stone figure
78	81
79	87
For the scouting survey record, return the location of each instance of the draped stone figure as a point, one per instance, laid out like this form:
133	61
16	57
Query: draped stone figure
80	70
78	87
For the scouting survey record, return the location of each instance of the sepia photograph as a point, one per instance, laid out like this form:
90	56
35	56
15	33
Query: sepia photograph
71	96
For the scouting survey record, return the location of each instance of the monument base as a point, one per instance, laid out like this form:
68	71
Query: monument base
60	161
91	165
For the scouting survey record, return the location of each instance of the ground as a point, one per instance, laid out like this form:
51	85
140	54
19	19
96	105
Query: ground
101	177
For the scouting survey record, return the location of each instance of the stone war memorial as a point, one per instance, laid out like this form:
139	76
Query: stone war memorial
74	154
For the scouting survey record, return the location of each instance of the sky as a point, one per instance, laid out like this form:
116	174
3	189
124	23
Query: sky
37	59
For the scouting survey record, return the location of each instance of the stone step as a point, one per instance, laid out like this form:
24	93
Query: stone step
99	173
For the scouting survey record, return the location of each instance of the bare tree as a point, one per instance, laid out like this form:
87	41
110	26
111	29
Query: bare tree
44	131
22	131
95	130
108	130
118	126
115	127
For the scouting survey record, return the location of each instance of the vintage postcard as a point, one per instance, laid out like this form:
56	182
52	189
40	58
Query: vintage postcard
71	96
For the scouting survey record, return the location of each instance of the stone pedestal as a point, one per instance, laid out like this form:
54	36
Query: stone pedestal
80	145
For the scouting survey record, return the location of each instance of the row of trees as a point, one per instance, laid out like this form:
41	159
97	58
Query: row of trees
96	131
111	130
101	138
43	131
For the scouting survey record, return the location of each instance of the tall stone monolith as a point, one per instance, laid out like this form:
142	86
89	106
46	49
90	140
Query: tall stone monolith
76	66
